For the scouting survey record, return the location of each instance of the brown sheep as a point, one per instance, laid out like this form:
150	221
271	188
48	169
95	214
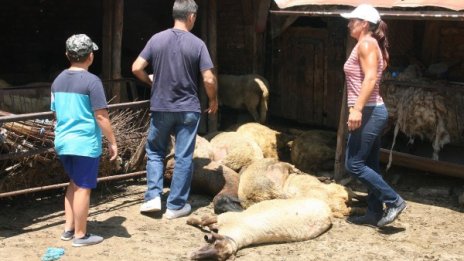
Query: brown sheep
209	177
245	92
271	221
270	179
314	150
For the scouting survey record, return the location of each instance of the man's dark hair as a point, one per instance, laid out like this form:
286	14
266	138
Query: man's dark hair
74	58
183	8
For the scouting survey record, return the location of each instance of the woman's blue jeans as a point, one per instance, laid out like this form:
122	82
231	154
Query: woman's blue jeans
184	126
362	159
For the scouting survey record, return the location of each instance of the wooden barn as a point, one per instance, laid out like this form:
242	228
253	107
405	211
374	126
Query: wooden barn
300	46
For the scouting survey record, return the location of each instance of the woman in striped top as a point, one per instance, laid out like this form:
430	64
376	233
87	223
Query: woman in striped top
368	115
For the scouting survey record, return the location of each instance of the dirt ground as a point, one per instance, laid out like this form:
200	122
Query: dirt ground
431	228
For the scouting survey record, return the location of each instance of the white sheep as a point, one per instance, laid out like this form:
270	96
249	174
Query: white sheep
271	221
270	179
209	177
432	114
235	150
272	143
245	92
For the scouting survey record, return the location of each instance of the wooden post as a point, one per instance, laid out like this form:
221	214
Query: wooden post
212	47
107	36
339	168
116	43
203	14
113	13
259	39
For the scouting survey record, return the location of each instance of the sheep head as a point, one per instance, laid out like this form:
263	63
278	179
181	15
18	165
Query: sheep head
219	248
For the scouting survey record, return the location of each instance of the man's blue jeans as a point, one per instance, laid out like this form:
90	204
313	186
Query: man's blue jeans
362	159
184	126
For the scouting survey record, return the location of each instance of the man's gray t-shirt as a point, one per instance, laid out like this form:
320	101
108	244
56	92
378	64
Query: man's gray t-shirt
177	58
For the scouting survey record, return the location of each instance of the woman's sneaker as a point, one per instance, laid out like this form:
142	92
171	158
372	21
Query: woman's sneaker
67	235
151	205
391	213
184	211
87	240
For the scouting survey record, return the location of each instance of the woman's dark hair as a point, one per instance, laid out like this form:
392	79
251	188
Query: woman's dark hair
182	9
379	32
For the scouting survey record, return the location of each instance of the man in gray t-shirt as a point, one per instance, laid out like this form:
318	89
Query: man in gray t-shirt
177	57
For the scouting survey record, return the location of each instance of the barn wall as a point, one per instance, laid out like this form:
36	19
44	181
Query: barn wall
34	34
307	71
234	29
426	43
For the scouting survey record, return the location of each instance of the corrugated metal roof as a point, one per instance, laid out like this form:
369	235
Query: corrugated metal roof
450	4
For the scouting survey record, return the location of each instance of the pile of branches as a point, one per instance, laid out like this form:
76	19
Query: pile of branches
28	158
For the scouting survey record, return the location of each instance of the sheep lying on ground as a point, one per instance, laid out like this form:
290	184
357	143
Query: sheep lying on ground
209	177
272	143
314	150
271	221
235	150
245	92
270	179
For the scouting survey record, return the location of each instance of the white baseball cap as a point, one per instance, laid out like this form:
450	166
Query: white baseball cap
364	12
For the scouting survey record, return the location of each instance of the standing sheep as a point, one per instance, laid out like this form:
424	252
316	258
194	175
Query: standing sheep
245	92
271	221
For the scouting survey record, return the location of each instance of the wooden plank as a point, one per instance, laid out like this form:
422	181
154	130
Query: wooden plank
424	164
431	42
319	82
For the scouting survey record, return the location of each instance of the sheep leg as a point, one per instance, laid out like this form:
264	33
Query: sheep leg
252	109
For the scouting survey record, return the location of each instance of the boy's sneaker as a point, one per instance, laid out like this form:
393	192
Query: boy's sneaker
151	205
184	211
87	240
67	235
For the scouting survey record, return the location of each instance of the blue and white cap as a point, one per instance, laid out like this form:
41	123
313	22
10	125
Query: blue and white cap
80	45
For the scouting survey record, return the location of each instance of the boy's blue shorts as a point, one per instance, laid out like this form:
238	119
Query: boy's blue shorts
82	170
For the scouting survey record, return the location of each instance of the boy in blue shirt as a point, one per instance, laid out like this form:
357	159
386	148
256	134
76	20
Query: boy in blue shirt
79	103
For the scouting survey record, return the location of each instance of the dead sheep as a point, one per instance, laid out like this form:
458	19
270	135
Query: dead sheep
273	143
271	221
209	177
235	150
250	92
270	179
314	150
